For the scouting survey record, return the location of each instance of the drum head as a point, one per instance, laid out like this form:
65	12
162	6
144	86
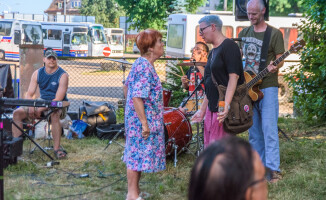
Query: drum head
177	130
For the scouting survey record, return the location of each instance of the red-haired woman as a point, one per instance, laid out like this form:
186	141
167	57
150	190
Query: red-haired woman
145	148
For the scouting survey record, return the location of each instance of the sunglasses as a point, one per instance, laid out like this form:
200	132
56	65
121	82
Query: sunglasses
196	49
267	177
202	29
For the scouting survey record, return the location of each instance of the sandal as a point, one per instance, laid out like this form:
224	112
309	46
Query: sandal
145	195
275	177
60	153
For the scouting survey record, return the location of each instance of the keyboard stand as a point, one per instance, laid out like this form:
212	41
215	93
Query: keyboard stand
25	133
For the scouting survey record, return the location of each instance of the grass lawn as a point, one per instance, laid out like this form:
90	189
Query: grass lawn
303	164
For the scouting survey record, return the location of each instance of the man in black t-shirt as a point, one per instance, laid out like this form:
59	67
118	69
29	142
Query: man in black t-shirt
225	64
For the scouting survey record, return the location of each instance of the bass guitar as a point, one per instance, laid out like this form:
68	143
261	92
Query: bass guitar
253	81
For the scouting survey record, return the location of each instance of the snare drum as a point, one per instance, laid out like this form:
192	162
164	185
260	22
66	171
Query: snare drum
167	94
177	130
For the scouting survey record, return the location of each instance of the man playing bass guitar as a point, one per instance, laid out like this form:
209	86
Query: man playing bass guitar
263	135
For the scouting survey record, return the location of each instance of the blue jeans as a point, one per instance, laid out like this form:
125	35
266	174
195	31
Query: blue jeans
263	135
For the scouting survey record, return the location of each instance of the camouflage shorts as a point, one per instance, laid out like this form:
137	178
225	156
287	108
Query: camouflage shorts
62	115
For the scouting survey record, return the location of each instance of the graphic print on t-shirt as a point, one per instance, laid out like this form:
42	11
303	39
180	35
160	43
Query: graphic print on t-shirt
251	51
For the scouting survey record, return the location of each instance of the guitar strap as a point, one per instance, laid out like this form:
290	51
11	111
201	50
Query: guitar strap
264	48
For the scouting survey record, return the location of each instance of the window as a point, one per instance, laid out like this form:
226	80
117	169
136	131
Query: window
72	4
98	35
79	39
290	36
79	4
175	36
66	38
80	29
116	31
116	40
239	29
45	33
227	31
76	3
59	5
32	34
5	28
54	34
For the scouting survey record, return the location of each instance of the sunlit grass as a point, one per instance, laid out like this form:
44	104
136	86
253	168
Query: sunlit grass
303	164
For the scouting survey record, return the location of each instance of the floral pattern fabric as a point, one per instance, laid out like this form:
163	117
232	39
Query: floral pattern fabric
140	154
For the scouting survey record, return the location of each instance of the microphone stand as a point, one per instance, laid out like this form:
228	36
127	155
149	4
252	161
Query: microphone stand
197	87
195	70
1	158
183	104
1	150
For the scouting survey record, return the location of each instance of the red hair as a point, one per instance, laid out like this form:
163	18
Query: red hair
146	39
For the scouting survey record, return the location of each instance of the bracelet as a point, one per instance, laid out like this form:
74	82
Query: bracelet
229	107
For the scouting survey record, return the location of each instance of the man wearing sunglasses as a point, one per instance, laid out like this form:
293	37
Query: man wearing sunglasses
225	65
52	81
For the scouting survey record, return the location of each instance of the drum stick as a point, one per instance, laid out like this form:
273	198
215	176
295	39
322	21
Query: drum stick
182	70
180	76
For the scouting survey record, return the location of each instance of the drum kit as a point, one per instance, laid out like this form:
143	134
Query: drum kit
178	130
177	127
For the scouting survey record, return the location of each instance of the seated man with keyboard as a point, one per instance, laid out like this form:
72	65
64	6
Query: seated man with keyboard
52	81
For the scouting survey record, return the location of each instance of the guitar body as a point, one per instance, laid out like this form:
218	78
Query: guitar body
253	81
254	92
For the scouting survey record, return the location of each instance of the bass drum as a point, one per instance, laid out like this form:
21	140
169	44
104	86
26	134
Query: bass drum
177	130
167	94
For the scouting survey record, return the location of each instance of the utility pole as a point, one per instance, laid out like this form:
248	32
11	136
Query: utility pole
64	8
225	6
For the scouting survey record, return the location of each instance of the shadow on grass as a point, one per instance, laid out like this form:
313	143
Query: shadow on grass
302	165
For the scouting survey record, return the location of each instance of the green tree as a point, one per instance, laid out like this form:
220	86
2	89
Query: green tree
106	12
284	7
229	7
309	80
179	6
153	13
175	83
276	7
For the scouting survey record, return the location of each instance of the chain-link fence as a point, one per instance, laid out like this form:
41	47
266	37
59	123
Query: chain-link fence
101	79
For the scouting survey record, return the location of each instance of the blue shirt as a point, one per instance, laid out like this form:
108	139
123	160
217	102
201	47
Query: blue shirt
49	83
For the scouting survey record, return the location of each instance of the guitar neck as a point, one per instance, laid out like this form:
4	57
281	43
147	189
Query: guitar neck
280	59
265	71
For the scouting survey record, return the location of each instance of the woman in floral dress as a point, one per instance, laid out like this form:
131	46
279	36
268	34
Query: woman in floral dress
145	147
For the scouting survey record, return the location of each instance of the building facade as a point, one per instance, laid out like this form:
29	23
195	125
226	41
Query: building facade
57	9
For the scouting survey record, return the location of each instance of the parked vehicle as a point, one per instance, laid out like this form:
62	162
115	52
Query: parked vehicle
67	39
135	48
97	41
15	32
115	38
183	31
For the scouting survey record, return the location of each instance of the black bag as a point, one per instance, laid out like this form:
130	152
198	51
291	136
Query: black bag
111	131
240	114
96	114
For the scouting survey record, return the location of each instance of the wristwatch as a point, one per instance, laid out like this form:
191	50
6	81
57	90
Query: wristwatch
229	106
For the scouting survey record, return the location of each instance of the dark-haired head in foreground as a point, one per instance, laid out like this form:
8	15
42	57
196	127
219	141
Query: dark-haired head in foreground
228	170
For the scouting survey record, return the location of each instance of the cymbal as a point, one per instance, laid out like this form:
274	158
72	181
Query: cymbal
120	61
192	64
